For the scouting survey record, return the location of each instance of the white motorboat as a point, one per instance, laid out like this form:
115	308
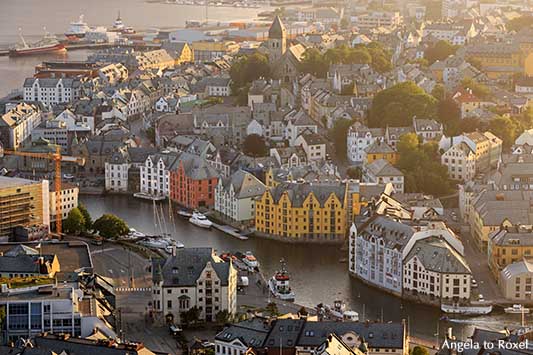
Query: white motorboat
279	284
340	312
77	29
250	260
517	309
153	243
200	220
472	310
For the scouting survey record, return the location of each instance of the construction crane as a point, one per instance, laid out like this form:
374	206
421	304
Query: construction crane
57	158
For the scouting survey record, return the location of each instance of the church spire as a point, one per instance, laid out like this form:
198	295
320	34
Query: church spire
277	29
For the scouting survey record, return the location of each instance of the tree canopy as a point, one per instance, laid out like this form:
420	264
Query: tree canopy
439	51
338	134
86	216
396	106
245	70
110	226
420	164
520	23
75	222
254	145
318	63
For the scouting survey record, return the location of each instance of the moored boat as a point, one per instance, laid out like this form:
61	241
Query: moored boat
279	284
48	44
250	260
471	310
339	312
77	29
517	309
200	220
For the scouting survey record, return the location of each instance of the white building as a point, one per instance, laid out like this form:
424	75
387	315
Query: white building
429	130
460	161
359	138
18	123
194	277
69	200
516	281
376	19
51	91
155	174
297	122
436	270
113	73
313	145
234	196
382	172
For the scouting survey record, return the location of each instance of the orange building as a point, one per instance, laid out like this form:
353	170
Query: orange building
192	182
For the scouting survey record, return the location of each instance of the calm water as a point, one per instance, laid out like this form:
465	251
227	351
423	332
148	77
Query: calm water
56	15
317	274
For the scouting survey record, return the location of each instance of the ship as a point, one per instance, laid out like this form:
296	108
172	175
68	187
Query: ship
77	29
118	26
48	44
279	284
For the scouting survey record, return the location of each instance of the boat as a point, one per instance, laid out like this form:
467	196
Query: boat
250	260
279	284
340	312
184	213
48	44
153	243
471	310
200	220
517	309
77	29
118	25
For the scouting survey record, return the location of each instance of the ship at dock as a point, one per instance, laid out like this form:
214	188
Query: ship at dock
48	44
77	29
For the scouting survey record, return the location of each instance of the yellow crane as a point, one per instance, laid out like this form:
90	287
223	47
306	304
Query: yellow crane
57	158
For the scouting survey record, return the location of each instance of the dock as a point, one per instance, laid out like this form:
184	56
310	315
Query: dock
76	46
229	230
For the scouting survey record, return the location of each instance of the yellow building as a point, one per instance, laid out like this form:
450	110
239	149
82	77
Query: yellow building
22	203
380	150
305	211
181	52
499	59
509	245
204	51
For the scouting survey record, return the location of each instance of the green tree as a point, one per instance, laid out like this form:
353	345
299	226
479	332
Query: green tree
110	226
75	222
449	114
190	316
86	216
272	309
480	90
396	106
313	62
222	317
506	129
338	135
254	145
248	68
520	23
440	51
419	350
150	134
354	172
439	92
420	164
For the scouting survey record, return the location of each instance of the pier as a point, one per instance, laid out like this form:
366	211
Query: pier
94	46
229	230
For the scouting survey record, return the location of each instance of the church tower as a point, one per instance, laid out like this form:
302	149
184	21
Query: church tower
277	40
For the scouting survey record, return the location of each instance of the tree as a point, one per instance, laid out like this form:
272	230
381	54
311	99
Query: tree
86	216
419	350
110	226
313	62
338	135
248	68
396	106
75	222
519	23
150	133
302	312
222	317
449	114
420	164
480	90
272	309
439	92
190	316
354	172
440	51
254	145
506	129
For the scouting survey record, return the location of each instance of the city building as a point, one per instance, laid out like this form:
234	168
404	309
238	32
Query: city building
303	211
192	181
515	281
17	124
194	277
69	200
460	161
314	146
429	130
375	19
492	210
22	203
209	50
52	91
359	138
509	245
435	270
155	175
113	73
380	150
124	165
382	172
23	261
235	196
